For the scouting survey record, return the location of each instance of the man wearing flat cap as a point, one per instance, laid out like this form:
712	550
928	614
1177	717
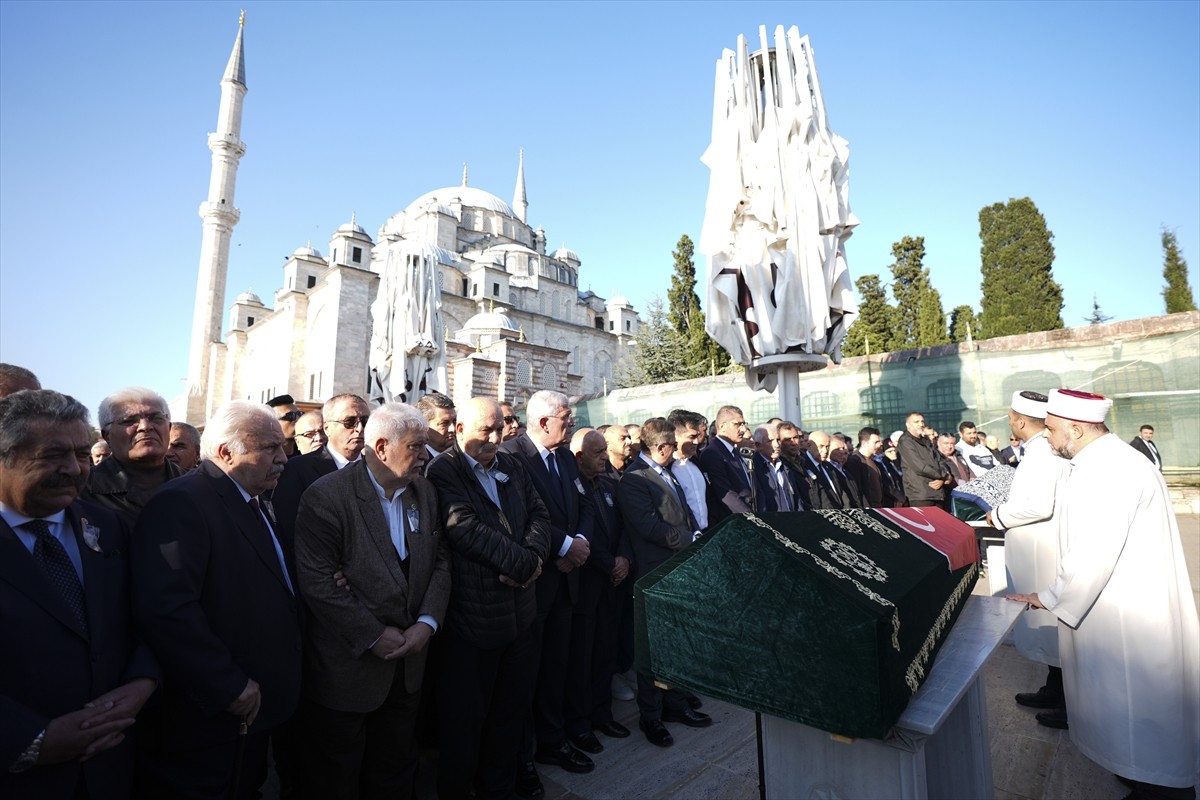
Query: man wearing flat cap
1030	519
1129	639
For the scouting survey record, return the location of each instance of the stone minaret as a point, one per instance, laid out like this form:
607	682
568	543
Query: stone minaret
219	216
520	206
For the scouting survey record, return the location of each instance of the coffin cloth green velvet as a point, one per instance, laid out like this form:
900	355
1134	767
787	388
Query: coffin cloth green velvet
828	618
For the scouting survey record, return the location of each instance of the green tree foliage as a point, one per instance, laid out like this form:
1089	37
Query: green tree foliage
919	320
659	352
1177	292
1097	317
700	353
874	321
962	320
1020	294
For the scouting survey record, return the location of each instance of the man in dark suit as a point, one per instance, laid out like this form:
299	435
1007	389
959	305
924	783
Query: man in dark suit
546	457
439	413
594	626
345	418
926	477
499	534
839	454
71	655
779	486
830	491
728	480
863	469
136	423
215	602
659	525
377	521
1144	444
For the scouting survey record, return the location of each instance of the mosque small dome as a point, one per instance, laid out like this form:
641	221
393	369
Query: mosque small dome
351	227
492	320
566	254
249	298
307	250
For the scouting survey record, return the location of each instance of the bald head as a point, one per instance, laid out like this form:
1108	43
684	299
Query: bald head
591	451
821	440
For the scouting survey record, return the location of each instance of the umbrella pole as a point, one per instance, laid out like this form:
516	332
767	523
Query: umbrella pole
788	386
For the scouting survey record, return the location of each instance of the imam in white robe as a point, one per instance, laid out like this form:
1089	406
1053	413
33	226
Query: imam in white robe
1129	641
1030	518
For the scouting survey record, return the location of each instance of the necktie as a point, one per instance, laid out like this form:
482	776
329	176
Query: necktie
262	524
52	557
402	544
674	484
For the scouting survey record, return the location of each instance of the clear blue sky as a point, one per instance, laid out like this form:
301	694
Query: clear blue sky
1091	109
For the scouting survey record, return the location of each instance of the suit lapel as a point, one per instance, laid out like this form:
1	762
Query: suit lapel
243	517
18	568
541	476
376	523
93	567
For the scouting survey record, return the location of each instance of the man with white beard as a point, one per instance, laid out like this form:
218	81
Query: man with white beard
1129	638
1030	519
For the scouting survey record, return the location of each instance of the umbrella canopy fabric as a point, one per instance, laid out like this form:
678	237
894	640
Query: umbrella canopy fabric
406	361
778	211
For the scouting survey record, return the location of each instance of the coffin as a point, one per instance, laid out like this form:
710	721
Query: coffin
827	618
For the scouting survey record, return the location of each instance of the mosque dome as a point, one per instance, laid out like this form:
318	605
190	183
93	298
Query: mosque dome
566	254
467	195
249	298
307	250
492	320
352	227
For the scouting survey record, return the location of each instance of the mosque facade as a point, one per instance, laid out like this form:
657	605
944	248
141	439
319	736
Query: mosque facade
513	318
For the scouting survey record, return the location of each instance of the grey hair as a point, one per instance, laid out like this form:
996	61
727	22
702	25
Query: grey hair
12	376
192	434
109	406
393	421
429	404
230	425
327	409
545	403
20	410
764	432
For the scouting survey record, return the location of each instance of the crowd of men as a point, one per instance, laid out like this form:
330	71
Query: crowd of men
340	588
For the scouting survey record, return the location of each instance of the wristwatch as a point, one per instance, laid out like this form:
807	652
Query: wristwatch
27	759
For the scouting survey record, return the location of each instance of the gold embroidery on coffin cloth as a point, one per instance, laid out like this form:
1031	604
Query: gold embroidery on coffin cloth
833	570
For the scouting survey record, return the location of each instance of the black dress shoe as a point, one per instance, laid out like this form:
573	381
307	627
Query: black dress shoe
614	730
564	756
529	785
656	732
1042	698
1054	719
694	702
693	719
587	742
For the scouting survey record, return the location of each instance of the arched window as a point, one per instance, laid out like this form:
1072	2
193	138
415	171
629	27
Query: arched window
524	373
944	406
762	410
549	377
882	406
817	405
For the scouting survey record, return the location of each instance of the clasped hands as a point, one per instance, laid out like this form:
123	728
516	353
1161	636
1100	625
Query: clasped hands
575	556
96	727
507	581
395	643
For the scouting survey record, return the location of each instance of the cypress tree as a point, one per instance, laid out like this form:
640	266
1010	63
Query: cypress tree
962	319
1020	294
1178	292
918	320
659	352
874	319
699	351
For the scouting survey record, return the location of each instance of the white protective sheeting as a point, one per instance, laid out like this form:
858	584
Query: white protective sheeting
778	210
406	360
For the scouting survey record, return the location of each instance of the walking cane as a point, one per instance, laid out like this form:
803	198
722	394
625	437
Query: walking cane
238	757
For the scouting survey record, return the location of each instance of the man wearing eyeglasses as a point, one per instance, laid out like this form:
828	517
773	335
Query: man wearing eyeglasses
287	413
728	478
310	432
345	418
136	423
546	456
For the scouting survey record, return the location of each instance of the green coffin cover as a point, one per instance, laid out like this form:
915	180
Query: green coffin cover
827	618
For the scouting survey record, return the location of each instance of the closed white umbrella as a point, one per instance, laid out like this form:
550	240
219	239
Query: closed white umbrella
778	213
406	359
